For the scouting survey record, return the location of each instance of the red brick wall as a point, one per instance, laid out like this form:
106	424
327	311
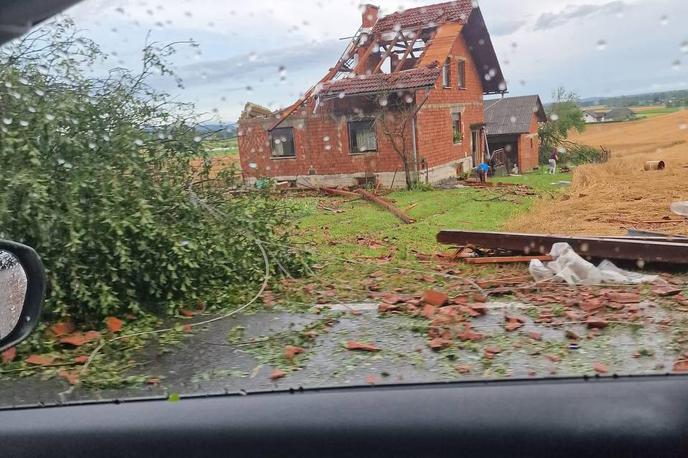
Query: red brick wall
435	130
321	140
528	151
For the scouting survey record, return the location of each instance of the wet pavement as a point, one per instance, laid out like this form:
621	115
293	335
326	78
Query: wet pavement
206	362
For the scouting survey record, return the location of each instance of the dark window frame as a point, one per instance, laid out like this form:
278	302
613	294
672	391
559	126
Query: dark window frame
461	74
457	123
353	146
446	74
276	134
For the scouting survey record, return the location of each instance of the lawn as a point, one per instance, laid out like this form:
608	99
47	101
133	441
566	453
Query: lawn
463	208
220	148
352	239
653	112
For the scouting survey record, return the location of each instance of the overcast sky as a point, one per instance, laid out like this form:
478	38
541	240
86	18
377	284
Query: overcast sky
271	51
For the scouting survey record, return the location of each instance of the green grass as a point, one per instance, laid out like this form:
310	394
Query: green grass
346	235
220	148
433	210
656	112
540	180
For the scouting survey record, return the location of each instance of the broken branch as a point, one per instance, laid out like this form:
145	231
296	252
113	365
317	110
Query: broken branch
387	206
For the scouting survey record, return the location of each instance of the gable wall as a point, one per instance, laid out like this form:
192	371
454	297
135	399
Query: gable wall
434	126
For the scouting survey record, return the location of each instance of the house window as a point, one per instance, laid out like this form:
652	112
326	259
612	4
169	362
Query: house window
446	74
362	136
461	74
282	141
457	126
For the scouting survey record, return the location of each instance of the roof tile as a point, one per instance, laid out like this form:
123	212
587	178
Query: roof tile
383	82
455	11
512	115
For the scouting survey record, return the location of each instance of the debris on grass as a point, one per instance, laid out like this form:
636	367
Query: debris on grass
361	346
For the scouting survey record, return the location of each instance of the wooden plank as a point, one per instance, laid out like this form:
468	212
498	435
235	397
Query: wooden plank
388	52
387	206
641	251
507	259
409	49
340	192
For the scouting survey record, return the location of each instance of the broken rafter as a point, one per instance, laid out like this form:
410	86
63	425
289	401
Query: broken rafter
340	192
388	52
364	58
409	49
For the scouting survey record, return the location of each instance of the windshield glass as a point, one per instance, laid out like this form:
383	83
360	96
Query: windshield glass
268	195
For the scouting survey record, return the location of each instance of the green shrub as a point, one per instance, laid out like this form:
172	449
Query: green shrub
96	176
575	154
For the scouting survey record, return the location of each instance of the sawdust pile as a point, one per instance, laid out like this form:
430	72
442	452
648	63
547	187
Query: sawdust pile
608	199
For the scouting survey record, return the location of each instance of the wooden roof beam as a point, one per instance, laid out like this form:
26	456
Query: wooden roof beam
409	49
388	52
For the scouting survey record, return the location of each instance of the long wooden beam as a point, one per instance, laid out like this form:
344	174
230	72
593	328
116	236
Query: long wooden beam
409	49
388	52
386	205
641	251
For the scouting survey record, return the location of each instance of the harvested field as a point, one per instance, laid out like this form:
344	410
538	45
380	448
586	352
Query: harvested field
608	199
637	137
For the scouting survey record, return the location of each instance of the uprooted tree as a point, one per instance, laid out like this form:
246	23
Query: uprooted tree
563	115
96	176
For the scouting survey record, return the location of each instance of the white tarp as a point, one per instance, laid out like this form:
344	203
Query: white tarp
574	270
680	208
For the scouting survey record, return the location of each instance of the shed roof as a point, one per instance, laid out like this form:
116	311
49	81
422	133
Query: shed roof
620	113
415	78
512	115
430	16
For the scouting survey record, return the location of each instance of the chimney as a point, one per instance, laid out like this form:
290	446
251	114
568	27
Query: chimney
370	15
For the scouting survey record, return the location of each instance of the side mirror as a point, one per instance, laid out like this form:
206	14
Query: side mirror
22	290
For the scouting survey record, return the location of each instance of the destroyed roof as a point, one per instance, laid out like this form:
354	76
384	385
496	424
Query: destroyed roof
512	115
428	16
415	78
253	110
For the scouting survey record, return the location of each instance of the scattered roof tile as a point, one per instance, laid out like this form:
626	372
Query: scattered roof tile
455	11
383	82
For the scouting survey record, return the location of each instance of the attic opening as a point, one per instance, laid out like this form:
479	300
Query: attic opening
399	51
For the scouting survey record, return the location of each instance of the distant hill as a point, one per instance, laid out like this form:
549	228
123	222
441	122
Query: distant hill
227	130
668	98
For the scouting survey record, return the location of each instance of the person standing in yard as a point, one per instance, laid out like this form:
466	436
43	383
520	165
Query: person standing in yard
483	169
553	158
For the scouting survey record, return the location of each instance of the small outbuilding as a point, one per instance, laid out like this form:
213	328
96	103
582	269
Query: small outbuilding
512	125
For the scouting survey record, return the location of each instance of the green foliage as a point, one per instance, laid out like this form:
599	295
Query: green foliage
562	116
97	178
583	154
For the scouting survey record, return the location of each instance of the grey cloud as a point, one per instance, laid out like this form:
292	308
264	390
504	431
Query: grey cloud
265	65
506	27
571	12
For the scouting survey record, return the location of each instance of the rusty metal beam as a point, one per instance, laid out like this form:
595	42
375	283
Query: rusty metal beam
590	247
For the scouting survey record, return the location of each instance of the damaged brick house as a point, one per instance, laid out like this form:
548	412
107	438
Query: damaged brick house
405	101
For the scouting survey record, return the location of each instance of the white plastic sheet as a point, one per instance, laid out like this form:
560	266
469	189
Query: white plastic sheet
680	208
568	266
